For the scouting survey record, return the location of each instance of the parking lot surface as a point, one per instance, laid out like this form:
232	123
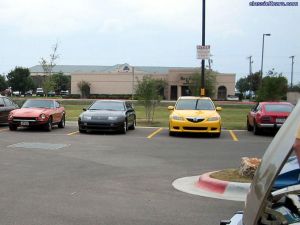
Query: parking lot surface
64	177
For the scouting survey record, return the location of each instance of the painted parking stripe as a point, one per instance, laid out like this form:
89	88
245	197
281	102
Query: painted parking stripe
234	137
76	132
155	133
3	129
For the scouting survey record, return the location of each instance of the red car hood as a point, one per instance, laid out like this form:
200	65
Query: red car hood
30	112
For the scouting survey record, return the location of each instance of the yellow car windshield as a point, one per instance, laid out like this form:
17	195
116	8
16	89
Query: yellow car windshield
195	104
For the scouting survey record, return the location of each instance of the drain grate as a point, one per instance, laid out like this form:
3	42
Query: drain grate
36	145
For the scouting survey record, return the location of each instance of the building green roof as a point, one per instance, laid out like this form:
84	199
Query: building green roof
97	69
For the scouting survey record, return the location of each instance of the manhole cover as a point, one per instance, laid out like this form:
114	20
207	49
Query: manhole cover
36	145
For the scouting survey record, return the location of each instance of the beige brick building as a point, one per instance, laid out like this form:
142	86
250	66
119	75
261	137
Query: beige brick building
122	79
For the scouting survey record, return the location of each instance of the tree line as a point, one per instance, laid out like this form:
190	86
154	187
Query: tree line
272	87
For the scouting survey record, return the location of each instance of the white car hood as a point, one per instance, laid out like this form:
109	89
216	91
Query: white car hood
273	160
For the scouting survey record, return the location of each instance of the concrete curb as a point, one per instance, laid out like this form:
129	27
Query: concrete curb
206	186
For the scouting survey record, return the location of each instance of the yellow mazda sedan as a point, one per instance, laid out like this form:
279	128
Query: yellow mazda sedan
195	115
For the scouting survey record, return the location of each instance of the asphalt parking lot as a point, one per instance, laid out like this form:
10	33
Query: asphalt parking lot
64	177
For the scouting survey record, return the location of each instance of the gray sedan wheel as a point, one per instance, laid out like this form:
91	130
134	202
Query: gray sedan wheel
125	127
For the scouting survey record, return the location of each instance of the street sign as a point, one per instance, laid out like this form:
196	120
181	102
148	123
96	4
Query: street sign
203	52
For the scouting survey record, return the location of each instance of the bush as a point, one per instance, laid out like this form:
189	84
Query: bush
76	96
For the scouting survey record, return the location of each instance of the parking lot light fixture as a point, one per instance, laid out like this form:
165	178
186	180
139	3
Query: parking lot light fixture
262	55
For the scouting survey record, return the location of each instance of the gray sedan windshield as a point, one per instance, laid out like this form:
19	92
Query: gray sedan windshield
106	105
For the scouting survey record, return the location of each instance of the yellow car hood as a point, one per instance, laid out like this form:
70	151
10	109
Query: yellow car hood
196	113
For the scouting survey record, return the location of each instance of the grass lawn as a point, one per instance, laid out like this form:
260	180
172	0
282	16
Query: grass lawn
233	116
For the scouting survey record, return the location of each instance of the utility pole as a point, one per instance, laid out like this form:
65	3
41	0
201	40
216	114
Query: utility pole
292	71
250	64
202	91
132	94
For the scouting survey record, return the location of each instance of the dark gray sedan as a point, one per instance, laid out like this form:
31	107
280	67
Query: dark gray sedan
6	105
108	115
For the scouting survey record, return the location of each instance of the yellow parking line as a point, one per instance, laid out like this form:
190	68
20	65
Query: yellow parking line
3	129
155	133
76	132
234	137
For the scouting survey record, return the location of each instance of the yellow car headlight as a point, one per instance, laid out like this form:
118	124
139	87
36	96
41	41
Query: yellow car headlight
175	117
216	118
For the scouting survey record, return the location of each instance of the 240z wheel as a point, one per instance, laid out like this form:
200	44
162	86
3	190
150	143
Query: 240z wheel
62	123
48	125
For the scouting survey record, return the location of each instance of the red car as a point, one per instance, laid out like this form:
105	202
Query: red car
268	115
43	113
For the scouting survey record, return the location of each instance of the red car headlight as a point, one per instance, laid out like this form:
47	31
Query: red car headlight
43	116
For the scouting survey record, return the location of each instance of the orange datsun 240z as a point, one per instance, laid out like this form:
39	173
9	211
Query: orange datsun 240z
40	112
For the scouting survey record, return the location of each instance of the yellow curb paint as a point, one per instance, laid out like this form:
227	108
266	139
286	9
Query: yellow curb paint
3	129
155	133
234	137
76	132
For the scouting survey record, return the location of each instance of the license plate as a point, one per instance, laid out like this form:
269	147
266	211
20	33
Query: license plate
280	120
24	123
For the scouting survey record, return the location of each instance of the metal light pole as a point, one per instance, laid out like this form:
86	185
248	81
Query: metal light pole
202	91
262	55
292	72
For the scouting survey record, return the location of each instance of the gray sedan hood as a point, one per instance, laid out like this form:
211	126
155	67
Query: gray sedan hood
272	162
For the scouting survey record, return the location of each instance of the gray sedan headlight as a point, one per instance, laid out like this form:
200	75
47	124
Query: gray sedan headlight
112	118
84	117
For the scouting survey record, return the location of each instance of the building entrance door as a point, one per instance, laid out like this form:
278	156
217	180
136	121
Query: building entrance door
222	93
173	92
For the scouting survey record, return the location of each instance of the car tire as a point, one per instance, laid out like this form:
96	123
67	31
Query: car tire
249	127
217	135
82	131
171	133
48	125
13	127
125	127
256	129
62	123
132	127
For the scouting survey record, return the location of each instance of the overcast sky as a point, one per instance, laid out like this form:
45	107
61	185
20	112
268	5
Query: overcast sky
149	33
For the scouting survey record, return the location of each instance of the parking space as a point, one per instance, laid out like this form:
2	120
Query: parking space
146	132
68	174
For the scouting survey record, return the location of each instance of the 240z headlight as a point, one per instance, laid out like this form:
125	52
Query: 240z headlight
43	116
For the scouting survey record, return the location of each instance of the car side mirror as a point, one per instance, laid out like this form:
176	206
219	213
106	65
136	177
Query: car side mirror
84	109
170	108
219	108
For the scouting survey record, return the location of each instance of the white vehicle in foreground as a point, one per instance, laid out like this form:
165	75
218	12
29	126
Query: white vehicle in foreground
264	206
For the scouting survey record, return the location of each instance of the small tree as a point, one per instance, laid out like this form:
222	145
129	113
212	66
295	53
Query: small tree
148	94
48	85
61	81
210	83
273	88
242	85
19	79
85	88
48	65
3	83
254	81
